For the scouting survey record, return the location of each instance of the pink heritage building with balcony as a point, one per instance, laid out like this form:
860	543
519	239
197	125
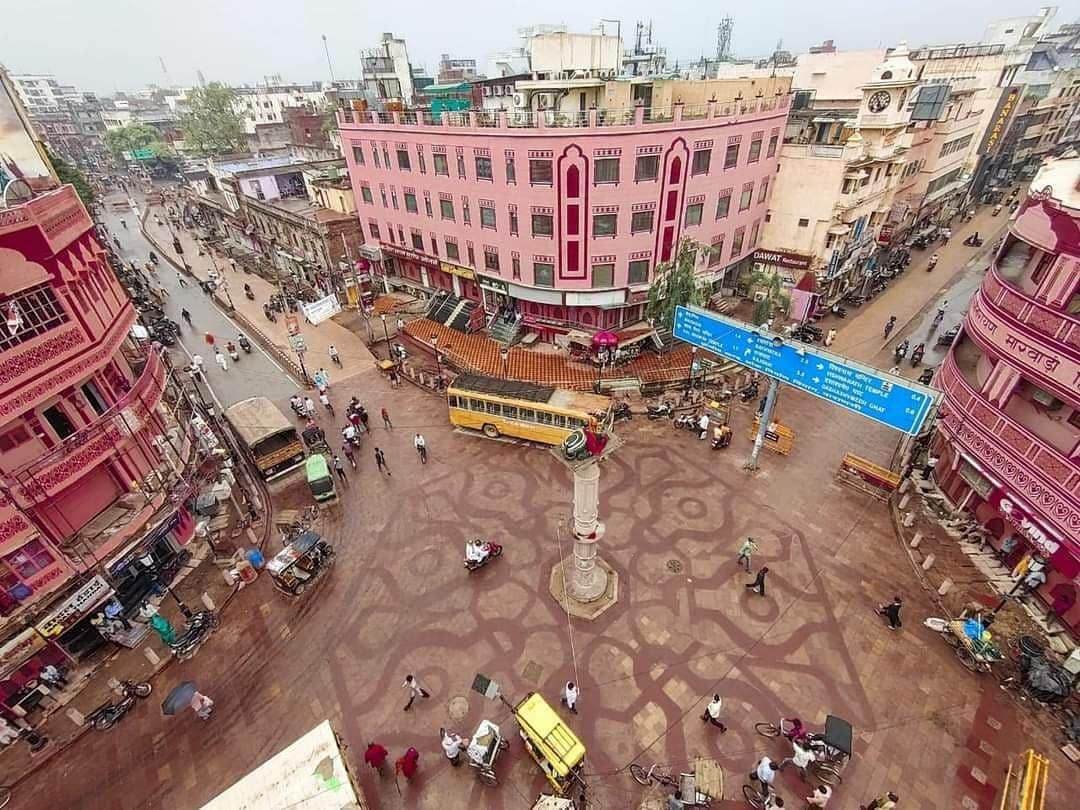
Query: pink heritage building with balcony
561	218
1009	439
78	420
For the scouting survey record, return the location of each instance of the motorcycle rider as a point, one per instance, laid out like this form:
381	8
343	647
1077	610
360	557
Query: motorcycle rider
933	262
901	350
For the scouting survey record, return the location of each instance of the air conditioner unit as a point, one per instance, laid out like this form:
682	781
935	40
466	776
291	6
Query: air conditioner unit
521	100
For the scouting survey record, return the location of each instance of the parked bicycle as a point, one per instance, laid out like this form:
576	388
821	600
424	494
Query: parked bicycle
691	796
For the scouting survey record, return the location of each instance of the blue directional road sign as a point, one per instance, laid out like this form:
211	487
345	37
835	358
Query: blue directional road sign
883	397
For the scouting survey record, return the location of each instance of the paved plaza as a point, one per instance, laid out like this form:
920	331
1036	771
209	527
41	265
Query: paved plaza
399	601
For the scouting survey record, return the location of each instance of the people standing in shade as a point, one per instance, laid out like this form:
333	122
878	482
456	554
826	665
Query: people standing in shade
570	697
712	713
746	551
375	756
415	691
386	419
380	461
758	585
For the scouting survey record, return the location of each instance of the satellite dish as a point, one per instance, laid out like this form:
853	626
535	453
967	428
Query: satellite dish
16	192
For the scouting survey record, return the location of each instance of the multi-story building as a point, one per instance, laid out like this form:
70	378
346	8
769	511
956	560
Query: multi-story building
563	217
842	159
284	211
91	451
455	71
387	72
42	92
1008	443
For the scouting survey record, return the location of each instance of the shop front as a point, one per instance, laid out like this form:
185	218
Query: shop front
69	624
22	657
149	565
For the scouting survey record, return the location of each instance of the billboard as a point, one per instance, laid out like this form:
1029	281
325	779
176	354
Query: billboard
999	123
21	155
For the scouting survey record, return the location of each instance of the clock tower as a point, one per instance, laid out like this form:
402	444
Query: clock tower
885	97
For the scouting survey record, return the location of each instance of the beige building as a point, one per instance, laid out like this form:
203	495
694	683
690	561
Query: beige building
841	161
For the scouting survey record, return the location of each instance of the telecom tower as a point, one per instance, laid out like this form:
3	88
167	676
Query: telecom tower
723	39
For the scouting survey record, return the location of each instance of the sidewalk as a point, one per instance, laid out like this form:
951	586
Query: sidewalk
354	354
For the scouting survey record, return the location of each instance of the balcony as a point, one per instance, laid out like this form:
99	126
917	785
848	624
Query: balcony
1010	452
65	464
481	121
1043	342
58	215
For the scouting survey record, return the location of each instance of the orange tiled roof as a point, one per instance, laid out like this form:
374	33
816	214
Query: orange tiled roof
479	353
385	304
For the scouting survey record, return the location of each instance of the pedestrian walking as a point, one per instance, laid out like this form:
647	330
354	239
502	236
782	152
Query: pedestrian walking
375	756
395	381
232	263
703	426
309	408
570	697
820	797
421	447
891	612
408	763
219	358
800	758
886	802
350	456
386	418
830	337
180	279
415	691
196	366
889	326
334	356
452	746
363	414
339	468
712	713
380	462
758	584
746	551
765	773
322	379
324	398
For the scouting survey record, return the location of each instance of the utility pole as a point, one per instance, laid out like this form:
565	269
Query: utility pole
763	424
329	64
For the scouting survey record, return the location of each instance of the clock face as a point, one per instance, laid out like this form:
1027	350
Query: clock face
879	101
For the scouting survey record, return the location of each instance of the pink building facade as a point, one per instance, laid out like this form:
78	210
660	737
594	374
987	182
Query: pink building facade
80	430
561	219
1009	438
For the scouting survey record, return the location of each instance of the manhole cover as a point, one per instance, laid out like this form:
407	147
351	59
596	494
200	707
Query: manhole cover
459	707
674	566
532	672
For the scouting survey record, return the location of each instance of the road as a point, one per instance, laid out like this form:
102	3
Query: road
254	374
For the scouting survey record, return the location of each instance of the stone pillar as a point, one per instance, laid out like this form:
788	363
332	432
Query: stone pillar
588	582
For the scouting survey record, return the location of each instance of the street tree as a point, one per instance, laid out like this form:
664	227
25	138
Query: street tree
135	136
676	283
775	299
69	173
210	124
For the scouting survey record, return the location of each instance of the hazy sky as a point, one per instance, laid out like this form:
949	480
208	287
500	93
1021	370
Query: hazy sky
109	45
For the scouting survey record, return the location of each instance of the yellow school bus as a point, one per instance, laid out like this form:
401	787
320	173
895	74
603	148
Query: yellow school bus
524	410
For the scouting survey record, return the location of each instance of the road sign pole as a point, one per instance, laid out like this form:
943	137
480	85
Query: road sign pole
763	423
303	369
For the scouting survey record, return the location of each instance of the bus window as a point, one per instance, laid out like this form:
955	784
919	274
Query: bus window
476	405
576	423
510	411
452	399
543	418
527	415
493	408
560	420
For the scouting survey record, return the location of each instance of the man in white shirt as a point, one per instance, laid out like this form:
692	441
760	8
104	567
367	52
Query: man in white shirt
309	408
821	796
452	745
570	696
765	772
197	365
703	426
712	713
800	758
421	447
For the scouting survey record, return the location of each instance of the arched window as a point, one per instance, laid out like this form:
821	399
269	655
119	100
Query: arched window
573	182
676	170
886	75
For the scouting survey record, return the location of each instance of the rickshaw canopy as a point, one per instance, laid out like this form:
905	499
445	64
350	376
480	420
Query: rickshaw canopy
288	556
838	734
551	736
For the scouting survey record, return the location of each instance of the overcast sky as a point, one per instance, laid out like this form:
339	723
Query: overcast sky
109	45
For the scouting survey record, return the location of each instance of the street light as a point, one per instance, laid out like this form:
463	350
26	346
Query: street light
386	332
601	355
690	374
438	367
504	353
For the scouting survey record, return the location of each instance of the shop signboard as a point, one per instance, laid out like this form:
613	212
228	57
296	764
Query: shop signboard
780	258
322	310
75	607
457	270
411	255
19	648
1016	513
494	284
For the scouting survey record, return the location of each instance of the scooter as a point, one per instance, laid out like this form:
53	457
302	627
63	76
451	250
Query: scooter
665	410
248	293
493	550
973	241
621	411
109	714
245	344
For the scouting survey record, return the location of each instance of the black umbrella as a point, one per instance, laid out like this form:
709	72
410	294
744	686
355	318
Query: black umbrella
179	698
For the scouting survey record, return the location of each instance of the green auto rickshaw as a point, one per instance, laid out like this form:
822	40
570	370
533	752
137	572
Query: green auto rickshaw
320	477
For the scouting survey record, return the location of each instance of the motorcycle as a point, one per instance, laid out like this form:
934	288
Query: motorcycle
685	421
901	350
973	241
721	437
926	376
621	411
917	355
750	392
493	550
109	714
665	410
199	628
248	293
245	344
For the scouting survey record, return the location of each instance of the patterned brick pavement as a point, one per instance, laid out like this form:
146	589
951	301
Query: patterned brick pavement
399	601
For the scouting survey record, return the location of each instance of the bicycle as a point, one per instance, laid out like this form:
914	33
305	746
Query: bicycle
5	796
663	777
754	797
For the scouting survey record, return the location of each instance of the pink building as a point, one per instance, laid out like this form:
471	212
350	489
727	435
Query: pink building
1009	440
561	218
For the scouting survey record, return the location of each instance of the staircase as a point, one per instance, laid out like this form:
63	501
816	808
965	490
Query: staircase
504	332
663	341
451	311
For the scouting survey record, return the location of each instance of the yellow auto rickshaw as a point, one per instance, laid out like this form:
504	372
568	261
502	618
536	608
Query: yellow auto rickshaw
556	749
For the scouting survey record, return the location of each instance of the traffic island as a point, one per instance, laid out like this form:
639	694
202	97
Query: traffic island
584	583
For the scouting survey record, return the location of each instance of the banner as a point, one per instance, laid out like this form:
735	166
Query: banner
321	310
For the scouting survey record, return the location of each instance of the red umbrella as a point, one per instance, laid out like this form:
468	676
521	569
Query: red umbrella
605	338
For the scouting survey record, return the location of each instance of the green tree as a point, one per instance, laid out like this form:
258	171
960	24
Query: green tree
135	136
676	283
775	299
210	125
69	173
